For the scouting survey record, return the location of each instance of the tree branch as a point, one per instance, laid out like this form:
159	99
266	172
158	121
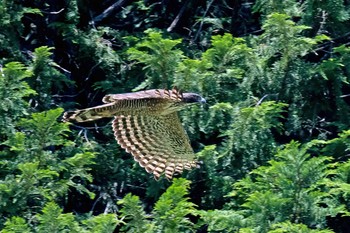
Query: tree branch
114	7
201	24
177	18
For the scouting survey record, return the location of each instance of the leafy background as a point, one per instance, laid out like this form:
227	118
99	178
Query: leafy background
273	138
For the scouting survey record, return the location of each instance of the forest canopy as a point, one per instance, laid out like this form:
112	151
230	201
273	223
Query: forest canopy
273	137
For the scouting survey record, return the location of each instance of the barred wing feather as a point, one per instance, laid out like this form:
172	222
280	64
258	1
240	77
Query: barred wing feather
160	144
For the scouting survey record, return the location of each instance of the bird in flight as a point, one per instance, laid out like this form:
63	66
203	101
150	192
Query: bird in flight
146	124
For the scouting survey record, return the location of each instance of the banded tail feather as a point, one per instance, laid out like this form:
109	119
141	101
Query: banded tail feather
89	114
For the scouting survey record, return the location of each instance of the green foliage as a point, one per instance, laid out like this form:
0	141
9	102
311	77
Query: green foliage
159	58
53	220
280	71
94	46
284	36
341	184
16	225
36	173
221	67
223	220
337	147
288	227
250	139
46	77
45	124
326	16
170	214
11	15
289	7
340	180
133	214
219	178
321	15
13	91
31	186
103	223
269	74
279	67
292	184
173	208
67	26
335	70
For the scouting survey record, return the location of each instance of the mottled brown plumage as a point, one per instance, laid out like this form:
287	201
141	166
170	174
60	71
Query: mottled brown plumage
146	124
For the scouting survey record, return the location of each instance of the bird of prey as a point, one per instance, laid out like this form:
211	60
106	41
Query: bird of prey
146	124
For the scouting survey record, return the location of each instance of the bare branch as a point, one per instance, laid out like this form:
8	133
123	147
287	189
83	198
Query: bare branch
177	18
344	96
262	99
201	24
53	12
60	67
114	7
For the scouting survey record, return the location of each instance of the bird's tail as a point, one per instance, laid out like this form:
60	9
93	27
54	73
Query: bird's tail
88	114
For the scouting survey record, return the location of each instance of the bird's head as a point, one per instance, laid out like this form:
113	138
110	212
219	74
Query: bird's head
193	98
185	100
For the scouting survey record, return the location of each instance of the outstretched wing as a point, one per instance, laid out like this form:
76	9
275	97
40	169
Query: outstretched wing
159	143
142	102
174	95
